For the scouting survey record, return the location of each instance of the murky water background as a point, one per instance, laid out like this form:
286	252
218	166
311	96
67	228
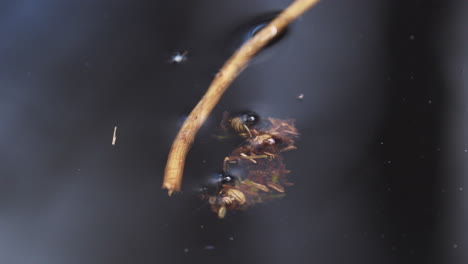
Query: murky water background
370	182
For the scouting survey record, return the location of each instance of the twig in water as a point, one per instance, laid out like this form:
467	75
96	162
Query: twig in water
226	75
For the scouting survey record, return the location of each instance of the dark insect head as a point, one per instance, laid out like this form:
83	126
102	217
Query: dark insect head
228	180
215	182
250	119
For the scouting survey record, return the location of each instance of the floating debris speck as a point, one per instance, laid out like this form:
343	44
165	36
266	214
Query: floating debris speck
209	247
114	137
179	57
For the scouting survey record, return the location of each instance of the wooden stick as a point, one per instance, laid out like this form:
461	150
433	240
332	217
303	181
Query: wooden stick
226	75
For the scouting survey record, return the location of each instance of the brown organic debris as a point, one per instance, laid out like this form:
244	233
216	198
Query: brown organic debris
260	159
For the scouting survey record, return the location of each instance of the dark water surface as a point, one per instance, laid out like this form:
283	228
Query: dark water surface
375	173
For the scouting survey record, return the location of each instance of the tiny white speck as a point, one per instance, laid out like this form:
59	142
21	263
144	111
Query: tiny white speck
460	189
381	143
231	238
179	57
455	245
412	37
466	150
186	250
300	97
202	226
389	161
429	101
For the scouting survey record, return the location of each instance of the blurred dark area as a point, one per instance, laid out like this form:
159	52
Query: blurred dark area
379	171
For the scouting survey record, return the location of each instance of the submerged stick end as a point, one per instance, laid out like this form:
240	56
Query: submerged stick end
171	188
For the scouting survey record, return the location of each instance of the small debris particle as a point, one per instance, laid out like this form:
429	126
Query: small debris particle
231	238
209	247
412	37
455	245
222	212
114	137
179	57
460	189
300	97
186	250
429	101
202	226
